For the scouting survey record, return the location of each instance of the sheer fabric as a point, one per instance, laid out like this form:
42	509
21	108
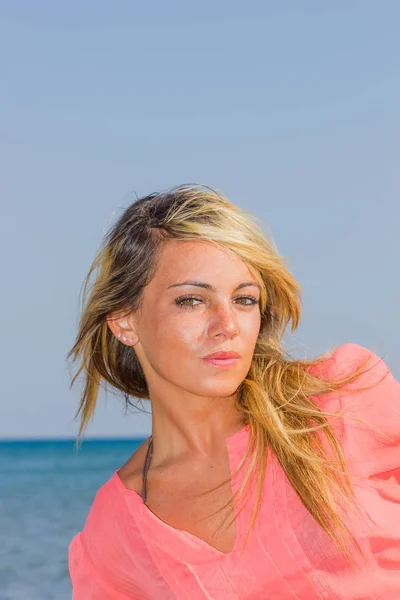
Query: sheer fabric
125	552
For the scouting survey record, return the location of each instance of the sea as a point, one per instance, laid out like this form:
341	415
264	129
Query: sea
46	490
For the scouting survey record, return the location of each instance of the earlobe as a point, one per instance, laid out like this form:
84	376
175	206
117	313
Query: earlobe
124	339
121	329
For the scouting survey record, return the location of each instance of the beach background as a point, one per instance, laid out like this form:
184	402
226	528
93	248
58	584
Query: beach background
46	491
291	109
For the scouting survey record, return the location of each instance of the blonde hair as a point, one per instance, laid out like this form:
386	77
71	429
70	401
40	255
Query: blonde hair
276	397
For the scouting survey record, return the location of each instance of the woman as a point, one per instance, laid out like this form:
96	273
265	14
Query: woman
264	476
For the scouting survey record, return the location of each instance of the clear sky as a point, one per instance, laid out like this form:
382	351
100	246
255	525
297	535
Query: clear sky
289	108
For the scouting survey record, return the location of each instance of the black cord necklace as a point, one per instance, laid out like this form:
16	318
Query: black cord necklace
146	466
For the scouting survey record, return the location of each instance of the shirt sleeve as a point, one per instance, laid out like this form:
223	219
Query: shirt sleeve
108	559
373	440
86	584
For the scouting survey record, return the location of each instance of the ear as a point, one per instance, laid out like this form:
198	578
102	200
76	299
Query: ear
123	327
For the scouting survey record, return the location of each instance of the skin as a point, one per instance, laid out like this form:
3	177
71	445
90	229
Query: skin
193	402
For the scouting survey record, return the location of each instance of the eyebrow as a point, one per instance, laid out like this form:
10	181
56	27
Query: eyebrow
208	286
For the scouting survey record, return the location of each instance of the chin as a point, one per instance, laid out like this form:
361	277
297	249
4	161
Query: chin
223	389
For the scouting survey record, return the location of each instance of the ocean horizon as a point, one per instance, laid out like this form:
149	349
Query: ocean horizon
47	488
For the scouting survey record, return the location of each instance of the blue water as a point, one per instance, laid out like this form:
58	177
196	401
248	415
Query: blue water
46	490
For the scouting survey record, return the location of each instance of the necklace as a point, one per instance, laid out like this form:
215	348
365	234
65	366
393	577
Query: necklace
146	466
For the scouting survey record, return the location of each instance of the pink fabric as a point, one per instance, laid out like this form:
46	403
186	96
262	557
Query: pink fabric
126	552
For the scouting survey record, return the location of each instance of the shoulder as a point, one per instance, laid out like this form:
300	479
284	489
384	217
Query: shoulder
374	377
374	380
115	510
109	519
118	497
92	556
109	557
346	360
111	542
370	406
349	357
130	474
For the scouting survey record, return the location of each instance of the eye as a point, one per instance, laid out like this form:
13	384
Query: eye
186	301
252	299
181	302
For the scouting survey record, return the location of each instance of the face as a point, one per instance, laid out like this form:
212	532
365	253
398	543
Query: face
180	323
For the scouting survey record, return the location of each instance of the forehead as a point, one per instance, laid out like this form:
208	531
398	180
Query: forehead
202	260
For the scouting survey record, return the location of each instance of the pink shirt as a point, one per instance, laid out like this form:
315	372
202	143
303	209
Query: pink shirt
125	552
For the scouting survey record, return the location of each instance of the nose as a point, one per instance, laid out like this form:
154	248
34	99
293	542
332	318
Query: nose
223	322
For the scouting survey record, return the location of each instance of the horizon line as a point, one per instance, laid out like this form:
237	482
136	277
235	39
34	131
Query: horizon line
72	439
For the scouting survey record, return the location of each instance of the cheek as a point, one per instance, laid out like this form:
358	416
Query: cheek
250	329
187	334
174	341
175	354
180	334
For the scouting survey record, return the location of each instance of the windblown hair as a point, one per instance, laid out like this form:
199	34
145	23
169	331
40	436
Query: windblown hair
276	397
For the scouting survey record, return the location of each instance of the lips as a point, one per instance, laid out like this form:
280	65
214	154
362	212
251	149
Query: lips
222	355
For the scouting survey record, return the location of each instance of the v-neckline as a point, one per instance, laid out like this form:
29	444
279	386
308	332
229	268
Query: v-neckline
234	445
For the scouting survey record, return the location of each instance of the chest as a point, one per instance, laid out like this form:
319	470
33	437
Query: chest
196	498
278	561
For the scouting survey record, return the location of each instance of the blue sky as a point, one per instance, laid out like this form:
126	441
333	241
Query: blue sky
291	109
